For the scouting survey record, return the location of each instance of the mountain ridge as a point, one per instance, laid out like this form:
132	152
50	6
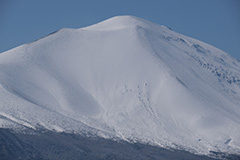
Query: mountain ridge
126	78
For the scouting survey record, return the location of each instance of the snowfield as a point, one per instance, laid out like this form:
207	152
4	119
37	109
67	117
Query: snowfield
125	78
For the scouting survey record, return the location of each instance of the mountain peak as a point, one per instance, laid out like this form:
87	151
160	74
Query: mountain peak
119	22
117	80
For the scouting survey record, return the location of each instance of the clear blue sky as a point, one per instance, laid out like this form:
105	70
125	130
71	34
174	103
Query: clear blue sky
216	22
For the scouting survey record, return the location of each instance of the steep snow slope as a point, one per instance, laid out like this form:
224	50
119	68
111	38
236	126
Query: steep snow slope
128	78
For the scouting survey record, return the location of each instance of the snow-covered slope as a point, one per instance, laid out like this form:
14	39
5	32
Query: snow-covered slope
128	78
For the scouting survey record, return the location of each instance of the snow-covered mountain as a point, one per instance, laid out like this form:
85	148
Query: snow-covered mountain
125	78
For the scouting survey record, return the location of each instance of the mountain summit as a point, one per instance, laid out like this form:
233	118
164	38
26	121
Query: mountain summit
120	22
124	78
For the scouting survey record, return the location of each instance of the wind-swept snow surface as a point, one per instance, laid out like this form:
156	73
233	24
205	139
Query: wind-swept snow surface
127	78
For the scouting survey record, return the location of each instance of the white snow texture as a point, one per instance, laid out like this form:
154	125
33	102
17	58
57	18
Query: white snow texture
127	78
